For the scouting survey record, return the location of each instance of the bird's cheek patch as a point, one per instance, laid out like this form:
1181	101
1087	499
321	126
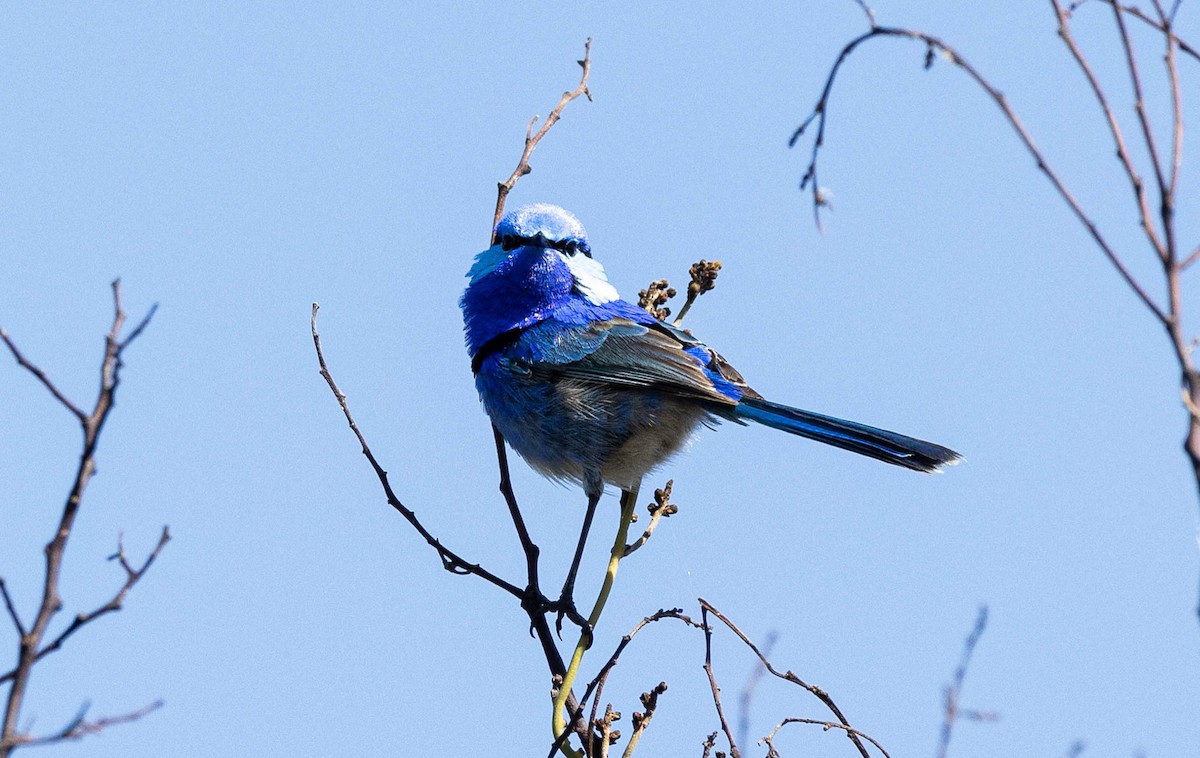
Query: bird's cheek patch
590	281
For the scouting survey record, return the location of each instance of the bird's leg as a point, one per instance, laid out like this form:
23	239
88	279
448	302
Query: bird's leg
566	601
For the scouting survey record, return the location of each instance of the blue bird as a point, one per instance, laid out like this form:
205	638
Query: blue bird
589	388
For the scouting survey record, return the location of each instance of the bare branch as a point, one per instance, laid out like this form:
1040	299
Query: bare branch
531	142
816	691
1139	100
932	44
955	689
30	648
641	720
80	728
1195	254
769	740
451	561
749	688
703	279
1135	179
41	377
596	687
712	681
1140	15
12	609
132	577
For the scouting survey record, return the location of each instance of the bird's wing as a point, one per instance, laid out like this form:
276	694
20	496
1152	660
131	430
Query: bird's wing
622	352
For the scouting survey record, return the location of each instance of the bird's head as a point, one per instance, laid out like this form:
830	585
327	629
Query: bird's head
543	225
553	235
541	266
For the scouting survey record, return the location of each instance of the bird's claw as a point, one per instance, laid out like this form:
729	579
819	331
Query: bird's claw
566	609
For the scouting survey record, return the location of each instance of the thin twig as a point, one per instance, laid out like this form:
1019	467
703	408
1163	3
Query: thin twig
1192	258
30	649
1139	100
816	691
641	719
661	508
749	688
12	609
531	140
132	577
820	114
1114	127
82	728
769	740
451	561
960	673
1140	15
41	377
712	680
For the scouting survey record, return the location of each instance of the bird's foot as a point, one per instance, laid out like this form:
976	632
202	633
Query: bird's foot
565	606
537	603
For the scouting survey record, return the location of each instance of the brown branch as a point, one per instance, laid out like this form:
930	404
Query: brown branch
1172	64
1192	258
816	691
1114	127
820	115
955	689
41	377
826	725
30	647
12	609
661	508
749	688
132	577
531	140
81	728
1139	99
596	687
641	719
451	561
1139	14
712	680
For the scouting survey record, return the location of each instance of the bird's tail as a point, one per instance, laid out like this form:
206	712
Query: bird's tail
881	444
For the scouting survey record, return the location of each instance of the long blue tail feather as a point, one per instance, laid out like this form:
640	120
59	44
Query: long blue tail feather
890	447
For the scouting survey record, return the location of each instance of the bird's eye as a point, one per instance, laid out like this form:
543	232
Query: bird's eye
570	247
508	242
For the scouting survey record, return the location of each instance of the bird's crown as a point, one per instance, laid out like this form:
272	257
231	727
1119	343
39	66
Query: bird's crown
543	225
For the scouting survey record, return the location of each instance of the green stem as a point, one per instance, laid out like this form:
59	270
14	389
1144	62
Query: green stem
628	503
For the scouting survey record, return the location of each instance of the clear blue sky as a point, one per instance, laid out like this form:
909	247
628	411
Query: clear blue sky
237	162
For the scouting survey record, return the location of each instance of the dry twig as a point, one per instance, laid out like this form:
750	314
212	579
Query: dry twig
1156	215
31	647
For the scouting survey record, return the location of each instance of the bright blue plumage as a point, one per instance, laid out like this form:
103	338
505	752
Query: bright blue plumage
589	388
